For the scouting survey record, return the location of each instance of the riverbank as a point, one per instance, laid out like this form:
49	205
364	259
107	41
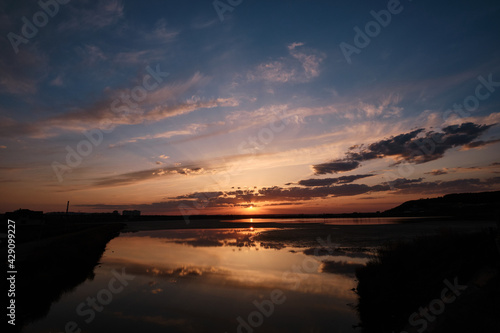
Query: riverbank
51	266
442	283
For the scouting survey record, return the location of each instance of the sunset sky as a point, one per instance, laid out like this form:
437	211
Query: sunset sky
203	107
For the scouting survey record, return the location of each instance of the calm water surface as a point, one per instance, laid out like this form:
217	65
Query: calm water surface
333	220
208	281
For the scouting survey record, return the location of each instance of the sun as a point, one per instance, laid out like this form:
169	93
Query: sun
250	209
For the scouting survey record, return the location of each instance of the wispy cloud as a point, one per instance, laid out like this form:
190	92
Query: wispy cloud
301	66
97	16
161	104
444	171
90	54
438	172
22	72
310	60
143	175
58	81
162	33
190	129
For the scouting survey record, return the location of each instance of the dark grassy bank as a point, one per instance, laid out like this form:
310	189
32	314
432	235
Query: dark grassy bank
407	276
34	233
52	266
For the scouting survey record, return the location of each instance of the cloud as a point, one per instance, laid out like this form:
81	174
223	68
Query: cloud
143	175
310	60
444	171
132	57
294	45
385	108
163	112
21	72
438	172
335	166
481	143
204	195
240	198
203	24
447	187
417	146
187	130
110	112
239	120
275	71
57	81
161	33
280	194
276	194
102	14
301	66
195	203
90	54
282	204
331	181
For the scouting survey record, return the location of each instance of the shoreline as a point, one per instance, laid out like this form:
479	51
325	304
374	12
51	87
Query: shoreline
306	234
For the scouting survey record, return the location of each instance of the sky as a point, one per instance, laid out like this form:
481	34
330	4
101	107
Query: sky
246	107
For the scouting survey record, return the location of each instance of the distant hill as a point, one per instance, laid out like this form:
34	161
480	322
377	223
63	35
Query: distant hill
470	205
